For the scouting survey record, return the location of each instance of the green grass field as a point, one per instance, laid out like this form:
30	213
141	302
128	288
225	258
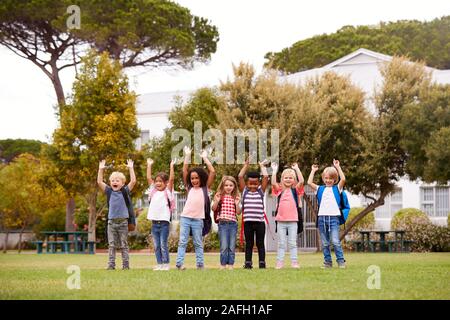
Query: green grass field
403	276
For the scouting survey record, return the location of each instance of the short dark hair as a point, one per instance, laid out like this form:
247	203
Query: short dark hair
253	175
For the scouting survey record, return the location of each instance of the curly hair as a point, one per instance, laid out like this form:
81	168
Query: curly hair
203	175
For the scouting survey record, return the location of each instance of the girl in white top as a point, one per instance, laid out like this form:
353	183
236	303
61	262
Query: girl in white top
160	211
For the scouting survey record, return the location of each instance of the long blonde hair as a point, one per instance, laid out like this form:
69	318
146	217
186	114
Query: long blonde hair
221	187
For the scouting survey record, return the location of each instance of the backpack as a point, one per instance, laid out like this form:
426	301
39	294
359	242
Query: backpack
171	204
244	194
207	221
341	200
299	210
127	197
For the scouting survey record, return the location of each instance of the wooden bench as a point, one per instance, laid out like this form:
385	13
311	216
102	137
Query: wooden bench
39	245
357	245
52	246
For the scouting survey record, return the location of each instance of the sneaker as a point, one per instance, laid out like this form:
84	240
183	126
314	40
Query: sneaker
157	267
326	265
262	264
125	268
181	268
165	267
248	265
341	265
201	267
111	268
279	265
295	265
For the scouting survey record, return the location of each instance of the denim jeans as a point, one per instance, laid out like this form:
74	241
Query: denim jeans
196	226
329	231
160	233
227	237
290	238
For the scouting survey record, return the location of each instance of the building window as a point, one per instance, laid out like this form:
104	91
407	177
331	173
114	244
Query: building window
435	201
143	139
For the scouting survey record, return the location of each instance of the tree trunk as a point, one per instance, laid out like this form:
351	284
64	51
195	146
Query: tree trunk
20	239
70	211
56	81
371	207
92	202
6	242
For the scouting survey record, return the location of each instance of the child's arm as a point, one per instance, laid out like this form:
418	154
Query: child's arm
314	168
216	201
301	180
265	178
274	182
149	171
171	175
341	174
242	174
236	201
212	171
132	175
187	156
101	168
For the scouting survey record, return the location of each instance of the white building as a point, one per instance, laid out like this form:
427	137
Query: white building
362	67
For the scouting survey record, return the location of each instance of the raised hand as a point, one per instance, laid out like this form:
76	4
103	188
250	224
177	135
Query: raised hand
217	197
264	163
295	166
173	161
336	163
187	151
102	165
238	199
274	166
150	162
130	163
315	167
204	154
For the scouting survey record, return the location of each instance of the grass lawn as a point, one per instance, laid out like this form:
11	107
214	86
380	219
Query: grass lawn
403	276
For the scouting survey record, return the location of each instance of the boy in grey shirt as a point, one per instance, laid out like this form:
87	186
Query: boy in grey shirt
118	213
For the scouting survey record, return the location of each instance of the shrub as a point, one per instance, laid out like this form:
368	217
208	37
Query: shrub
408	217
143	225
428	237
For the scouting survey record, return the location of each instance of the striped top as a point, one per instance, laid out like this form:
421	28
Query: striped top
253	208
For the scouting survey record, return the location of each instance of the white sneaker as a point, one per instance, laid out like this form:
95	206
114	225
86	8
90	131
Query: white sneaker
158	267
165	267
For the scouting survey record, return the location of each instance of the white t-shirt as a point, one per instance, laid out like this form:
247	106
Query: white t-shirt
158	208
328	205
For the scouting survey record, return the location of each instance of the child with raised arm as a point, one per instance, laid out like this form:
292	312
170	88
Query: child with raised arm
120	212
160	210
329	212
288	213
197	208
226	205
253	215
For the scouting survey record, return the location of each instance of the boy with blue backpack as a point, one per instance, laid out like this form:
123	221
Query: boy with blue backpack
333	210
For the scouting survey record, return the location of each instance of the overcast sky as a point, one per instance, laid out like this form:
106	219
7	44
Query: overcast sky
248	29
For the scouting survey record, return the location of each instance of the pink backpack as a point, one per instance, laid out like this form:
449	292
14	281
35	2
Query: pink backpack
170	202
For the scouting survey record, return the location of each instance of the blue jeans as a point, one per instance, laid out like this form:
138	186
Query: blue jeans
291	239
196	226
160	233
227	237
329	230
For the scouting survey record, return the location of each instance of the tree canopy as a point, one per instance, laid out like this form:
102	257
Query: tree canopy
419	41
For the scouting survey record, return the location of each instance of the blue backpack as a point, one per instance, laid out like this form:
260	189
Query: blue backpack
341	199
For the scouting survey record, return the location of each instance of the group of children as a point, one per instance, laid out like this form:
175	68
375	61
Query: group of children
233	198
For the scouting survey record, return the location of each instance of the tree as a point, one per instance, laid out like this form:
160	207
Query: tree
99	123
420	41
424	126
138	33
23	199
11	148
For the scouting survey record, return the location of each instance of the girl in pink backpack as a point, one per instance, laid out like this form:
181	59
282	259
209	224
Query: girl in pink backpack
160	210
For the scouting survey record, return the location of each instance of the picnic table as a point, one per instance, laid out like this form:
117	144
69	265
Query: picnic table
76	240
382	245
